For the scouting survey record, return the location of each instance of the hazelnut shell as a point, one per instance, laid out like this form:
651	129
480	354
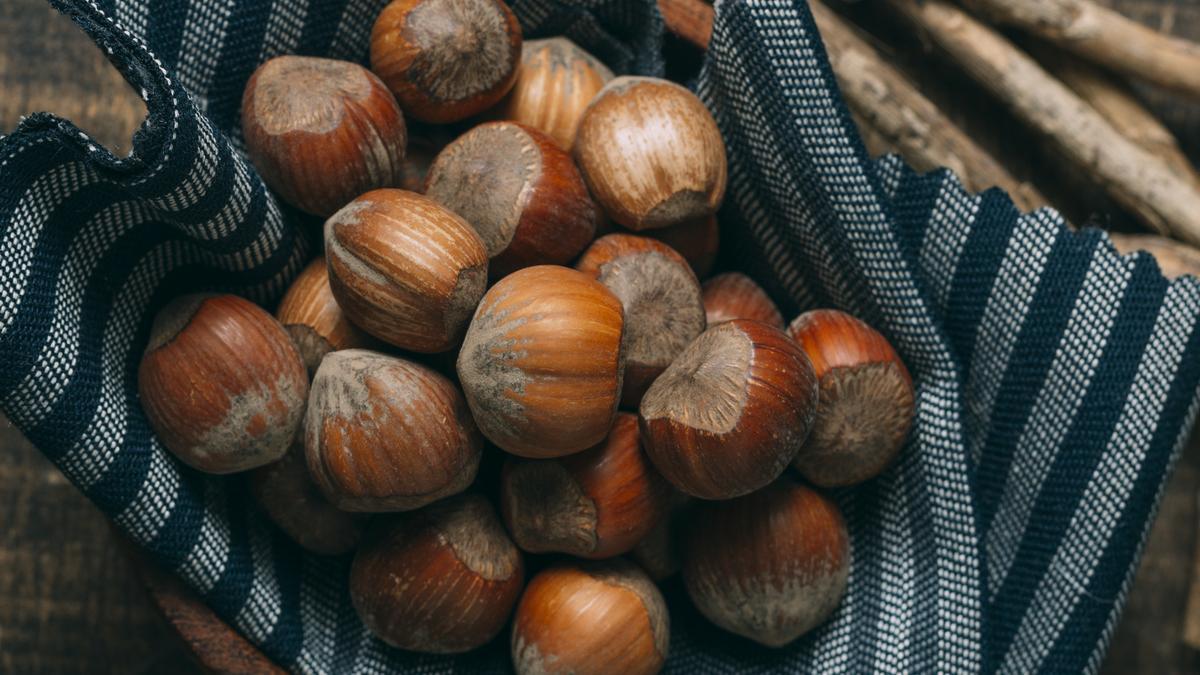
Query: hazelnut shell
221	384
441	580
405	269
731	412
446	60
386	434
541	363
321	132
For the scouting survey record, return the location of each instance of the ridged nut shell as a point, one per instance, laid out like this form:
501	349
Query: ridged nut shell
386	434
321	131
541	363
221	384
405	269
651	153
731	412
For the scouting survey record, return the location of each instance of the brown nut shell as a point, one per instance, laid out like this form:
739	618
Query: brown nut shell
867	401
442	580
729	415
446	60
651	154
313	319
221	384
597	503
591	618
660	296
405	269
521	193
541	363
321	131
734	295
385	434
556	82
293	502
769	566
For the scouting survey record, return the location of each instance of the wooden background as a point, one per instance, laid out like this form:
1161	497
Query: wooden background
70	600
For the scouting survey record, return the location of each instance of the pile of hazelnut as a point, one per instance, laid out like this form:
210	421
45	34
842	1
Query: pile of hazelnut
347	402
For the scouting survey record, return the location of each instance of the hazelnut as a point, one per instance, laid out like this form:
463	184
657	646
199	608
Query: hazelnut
867	401
593	504
731	412
405	269
446	60
554	85
651	153
734	295
441	580
769	566
591	618
385	434
222	385
293	502
321	132
521	193
314	320
541	363
696	240
661	298
660	552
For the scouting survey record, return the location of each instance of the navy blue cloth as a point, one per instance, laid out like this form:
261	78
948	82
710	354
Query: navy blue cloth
1056	380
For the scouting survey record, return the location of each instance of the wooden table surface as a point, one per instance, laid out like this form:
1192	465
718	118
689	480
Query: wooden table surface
69	599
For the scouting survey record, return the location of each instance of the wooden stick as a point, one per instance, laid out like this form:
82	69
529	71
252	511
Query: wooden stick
1136	179
1103	36
879	93
1115	100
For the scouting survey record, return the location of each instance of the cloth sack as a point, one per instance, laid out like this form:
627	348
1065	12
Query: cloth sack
1056	380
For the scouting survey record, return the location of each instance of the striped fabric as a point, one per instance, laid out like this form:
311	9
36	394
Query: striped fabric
1056	380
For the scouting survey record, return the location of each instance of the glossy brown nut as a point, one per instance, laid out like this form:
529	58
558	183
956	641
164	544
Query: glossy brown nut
769	566
660	552
541	364
556	82
734	295
221	384
442	580
660	296
321	132
651	154
385	434
521	193
313	319
731	412
405	269
867	402
446	60
597	503
294	503
591	618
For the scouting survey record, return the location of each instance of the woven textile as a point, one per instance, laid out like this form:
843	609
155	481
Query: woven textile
1056	380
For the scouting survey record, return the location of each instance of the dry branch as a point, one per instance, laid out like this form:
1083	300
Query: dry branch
1115	100
883	96
1135	178
1103	36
